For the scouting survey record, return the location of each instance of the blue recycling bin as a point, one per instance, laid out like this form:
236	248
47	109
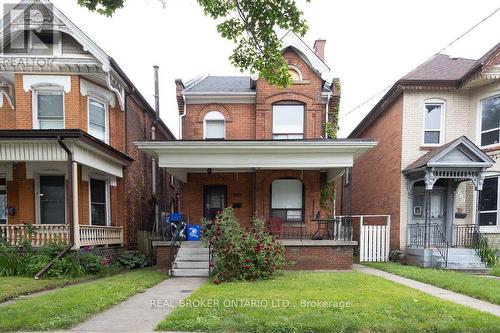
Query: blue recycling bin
193	233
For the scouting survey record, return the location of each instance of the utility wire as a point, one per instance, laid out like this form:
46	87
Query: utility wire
441	50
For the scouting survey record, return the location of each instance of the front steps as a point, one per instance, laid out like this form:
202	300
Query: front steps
460	259
192	260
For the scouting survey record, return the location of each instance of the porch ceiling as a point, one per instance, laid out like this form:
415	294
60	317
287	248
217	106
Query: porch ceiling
181	157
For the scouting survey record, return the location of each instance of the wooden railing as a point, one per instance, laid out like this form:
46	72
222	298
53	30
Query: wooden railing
100	235
40	234
36	234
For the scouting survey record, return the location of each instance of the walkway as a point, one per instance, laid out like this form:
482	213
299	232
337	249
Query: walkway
142	312
434	291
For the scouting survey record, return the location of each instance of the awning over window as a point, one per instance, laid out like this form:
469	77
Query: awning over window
459	159
331	156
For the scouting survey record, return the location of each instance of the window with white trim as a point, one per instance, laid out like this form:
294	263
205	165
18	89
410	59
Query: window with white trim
287	199
288	121
214	124
488	203
490	121
98	120
49	109
99	202
433	123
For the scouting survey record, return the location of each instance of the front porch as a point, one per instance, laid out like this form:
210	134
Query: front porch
60	186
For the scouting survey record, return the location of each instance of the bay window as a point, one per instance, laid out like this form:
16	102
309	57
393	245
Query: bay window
433	123
98	120
49	109
288	121
99	202
488	203
287	199
490	121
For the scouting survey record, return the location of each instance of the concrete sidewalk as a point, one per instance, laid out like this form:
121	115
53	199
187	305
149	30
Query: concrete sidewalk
142	312
434	291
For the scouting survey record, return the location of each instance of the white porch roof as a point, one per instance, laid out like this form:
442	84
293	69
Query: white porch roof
181	157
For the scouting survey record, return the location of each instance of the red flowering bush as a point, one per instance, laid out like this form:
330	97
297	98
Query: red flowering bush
241	254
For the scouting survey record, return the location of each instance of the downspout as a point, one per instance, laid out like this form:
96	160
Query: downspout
153	160
181	117
327	111
70	209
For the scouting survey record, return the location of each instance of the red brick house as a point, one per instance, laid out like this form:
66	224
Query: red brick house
263	150
437	129
68	119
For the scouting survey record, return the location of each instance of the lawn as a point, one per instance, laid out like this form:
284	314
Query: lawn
291	302
495	270
487	289
68	306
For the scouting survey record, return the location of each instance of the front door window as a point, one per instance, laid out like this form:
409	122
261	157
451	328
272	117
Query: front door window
3	201
215	200
52	200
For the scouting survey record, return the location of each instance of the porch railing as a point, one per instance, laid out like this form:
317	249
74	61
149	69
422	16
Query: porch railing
336	228
429	236
91	235
469	236
40	234
35	234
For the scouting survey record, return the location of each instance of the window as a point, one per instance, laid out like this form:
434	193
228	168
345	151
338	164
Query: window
287	199
43	42
295	73
488	203
97	120
3	201
490	120
50	109
433	123
98	202
288	121
214	126
172	181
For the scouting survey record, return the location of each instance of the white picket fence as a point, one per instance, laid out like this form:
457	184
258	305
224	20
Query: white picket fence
374	240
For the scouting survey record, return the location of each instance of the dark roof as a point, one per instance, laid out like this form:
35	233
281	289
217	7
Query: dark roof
66	134
221	84
423	160
441	67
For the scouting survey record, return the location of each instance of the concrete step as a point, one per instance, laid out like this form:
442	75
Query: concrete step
192	250
463	266
461	251
192	244
190	264
190	272
192	257
473	259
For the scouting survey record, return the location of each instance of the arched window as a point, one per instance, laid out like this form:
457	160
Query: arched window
287	200
214	126
295	73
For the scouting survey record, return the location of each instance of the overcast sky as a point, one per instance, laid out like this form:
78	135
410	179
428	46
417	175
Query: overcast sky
370	44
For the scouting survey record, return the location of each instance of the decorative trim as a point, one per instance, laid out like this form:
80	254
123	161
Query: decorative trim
119	89
33	82
92	90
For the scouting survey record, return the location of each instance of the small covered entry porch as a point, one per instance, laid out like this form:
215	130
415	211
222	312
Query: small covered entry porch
278	180
432	183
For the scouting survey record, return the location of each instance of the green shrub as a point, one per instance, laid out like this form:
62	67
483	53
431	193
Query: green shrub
35	263
91	263
132	260
241	255
11	260
68	265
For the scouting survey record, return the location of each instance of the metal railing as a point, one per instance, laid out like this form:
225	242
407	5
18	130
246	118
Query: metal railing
335	228
469	236
429	236
175	241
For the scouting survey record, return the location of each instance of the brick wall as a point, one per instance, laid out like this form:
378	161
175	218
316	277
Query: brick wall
162	257
318	257
21	195
376	176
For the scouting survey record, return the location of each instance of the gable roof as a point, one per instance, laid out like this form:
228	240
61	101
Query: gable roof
460	152
441	70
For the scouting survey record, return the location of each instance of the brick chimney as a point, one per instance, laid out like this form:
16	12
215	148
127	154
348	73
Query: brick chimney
319	48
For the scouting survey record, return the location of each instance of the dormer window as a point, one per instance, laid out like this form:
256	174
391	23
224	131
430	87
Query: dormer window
288	121
214	126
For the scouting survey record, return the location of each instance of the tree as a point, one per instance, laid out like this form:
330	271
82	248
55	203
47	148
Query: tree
250	24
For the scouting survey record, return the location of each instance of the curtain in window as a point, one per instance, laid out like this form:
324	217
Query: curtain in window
50	110
288	121
97	120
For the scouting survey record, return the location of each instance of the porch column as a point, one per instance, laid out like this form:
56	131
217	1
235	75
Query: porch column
76	225
427	200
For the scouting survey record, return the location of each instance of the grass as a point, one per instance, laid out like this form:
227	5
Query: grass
483	288
357	302
495	270
69	306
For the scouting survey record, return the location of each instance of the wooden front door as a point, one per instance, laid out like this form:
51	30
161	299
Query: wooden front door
215	200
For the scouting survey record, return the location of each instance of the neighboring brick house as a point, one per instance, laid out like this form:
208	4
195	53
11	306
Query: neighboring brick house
68	120
438	134
263	151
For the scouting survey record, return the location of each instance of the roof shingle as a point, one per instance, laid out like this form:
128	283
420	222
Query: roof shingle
441	67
